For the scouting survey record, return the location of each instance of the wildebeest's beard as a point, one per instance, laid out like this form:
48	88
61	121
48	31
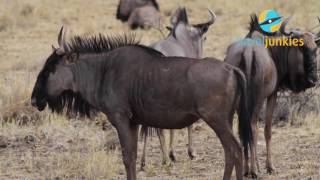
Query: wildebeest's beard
310	66
71	102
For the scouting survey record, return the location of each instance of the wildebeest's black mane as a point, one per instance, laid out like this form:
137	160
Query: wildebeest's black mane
100	43
254	24
155	4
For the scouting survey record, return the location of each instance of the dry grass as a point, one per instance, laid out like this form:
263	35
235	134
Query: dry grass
57	148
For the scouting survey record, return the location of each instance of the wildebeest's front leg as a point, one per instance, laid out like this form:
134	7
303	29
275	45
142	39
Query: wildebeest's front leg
191	152
271	103
128	136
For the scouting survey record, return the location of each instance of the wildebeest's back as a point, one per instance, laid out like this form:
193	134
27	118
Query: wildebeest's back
214	81
168	88
256	62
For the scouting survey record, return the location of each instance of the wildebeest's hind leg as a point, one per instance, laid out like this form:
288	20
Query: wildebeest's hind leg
165	158
144	134
128	136
253	152
191	152
271	103
171	151
232	149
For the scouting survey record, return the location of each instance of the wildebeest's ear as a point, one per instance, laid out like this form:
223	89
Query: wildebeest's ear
53	48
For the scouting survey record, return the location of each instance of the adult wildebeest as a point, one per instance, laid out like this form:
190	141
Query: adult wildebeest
184	40
269	70
139	13
144	17
133	84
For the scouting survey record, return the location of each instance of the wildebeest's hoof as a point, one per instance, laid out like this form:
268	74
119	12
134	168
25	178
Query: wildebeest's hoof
167	163
143	164
172	156
252	175
271	170
192	154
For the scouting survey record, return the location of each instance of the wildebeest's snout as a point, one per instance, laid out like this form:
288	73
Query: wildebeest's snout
40	104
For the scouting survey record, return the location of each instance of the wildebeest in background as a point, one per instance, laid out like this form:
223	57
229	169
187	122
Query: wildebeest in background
139	13
184	40
134	84
269	70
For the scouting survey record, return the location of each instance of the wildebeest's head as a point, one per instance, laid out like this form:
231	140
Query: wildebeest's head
54	78
302	60
126	7
194	34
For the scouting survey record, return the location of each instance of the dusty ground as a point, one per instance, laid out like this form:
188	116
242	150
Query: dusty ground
62	149
43	146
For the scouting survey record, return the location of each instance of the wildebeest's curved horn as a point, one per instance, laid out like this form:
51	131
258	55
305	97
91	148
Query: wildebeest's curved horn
63	47
283	27
291	32
213	17
205	26
64	42
60	37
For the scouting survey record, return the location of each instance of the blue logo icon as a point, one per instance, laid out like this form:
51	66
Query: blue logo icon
269	21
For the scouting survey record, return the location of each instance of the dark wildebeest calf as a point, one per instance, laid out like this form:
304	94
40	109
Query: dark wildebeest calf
184	40
139	13
269	70
136	85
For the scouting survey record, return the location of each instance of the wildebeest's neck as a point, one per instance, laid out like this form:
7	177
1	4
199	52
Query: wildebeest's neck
186	46
279	55
87	72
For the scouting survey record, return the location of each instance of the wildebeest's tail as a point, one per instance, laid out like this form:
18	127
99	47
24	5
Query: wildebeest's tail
244	113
